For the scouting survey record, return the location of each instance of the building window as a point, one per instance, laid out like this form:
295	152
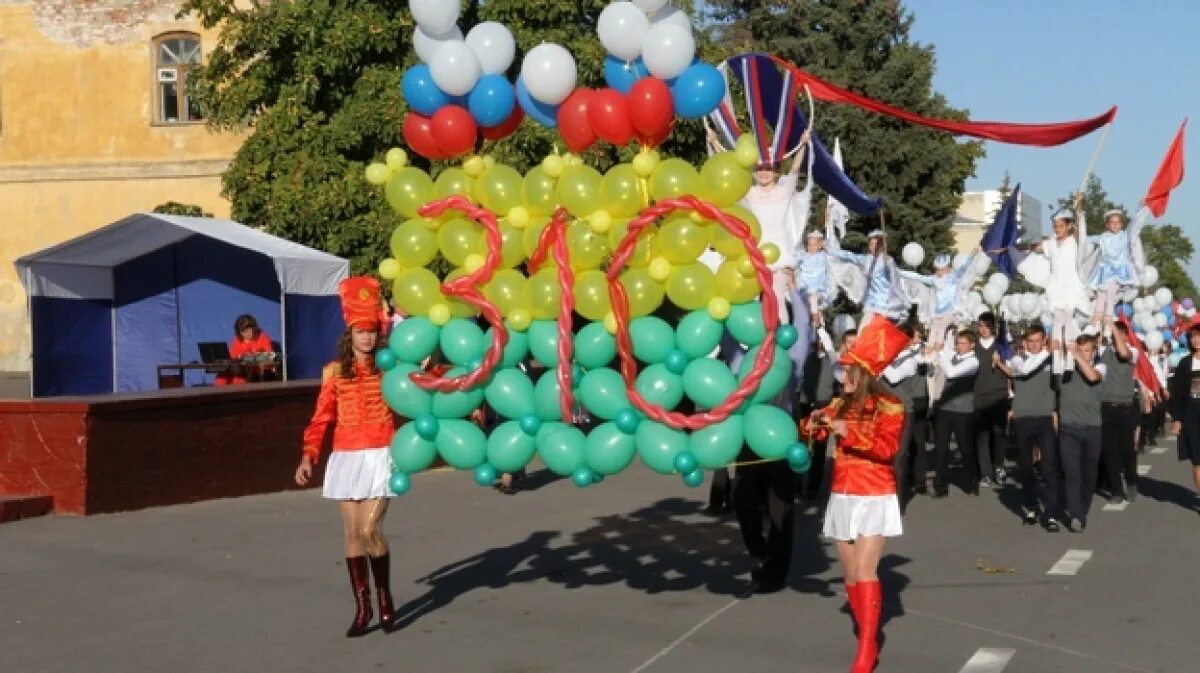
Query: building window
174	57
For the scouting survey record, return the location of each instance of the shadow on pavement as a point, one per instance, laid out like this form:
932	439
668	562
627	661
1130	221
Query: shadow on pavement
1165	491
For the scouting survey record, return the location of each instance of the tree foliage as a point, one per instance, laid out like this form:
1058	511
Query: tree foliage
184	209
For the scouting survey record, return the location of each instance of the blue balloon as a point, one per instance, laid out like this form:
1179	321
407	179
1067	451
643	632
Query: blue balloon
786	336
485	474
422	95
385	358
491	101
698	91
622	75
427	427
627	420
583	477
676	362
399	483
694	478
546	115
686	462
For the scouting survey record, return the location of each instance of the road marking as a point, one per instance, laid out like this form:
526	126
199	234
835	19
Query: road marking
988	660
1158	450
1143	470
690	632
1071	562
1116	506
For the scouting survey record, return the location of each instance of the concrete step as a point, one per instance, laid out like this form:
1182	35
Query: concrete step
17	507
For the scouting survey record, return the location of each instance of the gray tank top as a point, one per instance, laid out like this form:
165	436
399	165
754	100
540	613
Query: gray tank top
1079	400
1118	381
1033	395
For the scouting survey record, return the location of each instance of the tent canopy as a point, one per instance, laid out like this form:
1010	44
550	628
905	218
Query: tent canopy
108	307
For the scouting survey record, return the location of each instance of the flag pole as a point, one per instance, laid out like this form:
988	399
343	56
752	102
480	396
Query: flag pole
1095	157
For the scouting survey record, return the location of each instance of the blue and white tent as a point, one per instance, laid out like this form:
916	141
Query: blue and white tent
110	306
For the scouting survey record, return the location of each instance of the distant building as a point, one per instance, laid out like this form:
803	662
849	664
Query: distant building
978	209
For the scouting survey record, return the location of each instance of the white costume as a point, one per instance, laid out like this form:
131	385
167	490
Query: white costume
1069	264
942	299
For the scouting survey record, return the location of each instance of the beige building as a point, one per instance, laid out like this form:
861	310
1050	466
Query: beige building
978	209
95	123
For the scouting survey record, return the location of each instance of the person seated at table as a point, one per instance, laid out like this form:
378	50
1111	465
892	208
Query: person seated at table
248	339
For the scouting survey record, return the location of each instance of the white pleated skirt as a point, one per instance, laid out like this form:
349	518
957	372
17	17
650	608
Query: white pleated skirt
848	517
358	475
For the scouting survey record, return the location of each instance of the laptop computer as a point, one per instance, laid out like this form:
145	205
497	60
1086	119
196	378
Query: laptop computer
214	351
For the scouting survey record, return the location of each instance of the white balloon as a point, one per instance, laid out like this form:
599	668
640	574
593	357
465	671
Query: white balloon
435	16
493	45
982	264
975	299
1174	359
549	73
992	294
427	44
1164	296
671	15
913	254
1036	269
1191	312
1139	305
455	69
999	280
668	50
650	6
1029	304
1149	277
1154	341
622	27
1129	294
1160	320
959	260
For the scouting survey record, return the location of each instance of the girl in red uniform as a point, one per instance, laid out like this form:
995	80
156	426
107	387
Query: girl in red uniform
248	338
863	509
359	466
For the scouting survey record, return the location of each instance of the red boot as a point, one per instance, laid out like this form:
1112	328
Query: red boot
870	604
360	582
852	601
381	569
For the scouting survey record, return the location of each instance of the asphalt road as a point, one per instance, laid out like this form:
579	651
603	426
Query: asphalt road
624	577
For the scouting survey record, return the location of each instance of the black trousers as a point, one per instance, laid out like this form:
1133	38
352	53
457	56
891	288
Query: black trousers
766	489
721	491
991	425
962	427
816	474
1080	447
1038	432
1120	458
910	464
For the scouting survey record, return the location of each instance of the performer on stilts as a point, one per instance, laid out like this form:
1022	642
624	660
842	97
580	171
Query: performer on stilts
814	283
863	508
1121	260
871	279
359	467
1064	287
942	297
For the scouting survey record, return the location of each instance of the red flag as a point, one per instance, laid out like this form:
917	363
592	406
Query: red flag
1168	177
1143	371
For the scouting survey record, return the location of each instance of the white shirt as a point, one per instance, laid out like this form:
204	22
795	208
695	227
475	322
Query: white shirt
987	342
904	367
1024	365
955	366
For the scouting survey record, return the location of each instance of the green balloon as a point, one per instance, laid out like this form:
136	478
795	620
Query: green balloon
409	452
515	350
719	444
594	346
508	447
770	431
543	341
563	450
658	445
402	395
510	393
708	382
548	428
461	444
457	404
546	395
657	385
609	450
602	392
745	323
652	339
414	339
698	334
777	376
462	341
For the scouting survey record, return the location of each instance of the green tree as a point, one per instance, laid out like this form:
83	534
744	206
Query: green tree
184	209
866	47
1095	204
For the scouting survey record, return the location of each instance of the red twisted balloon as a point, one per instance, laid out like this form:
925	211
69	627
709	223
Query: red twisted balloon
464	288
555	234
620	306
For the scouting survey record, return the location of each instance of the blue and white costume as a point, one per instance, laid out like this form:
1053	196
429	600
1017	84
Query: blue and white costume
813	279
872	280
941	299
1119	261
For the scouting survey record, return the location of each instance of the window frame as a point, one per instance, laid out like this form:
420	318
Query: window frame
181	79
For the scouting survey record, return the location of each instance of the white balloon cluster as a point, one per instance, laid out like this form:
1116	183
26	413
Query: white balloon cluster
993	291
913	254
549	73
456	63
653	30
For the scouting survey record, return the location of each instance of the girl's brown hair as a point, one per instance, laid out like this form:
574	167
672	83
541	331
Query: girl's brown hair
244	322
867	386
1193	331
345	350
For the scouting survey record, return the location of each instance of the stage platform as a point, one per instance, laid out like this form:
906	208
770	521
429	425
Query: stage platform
111	453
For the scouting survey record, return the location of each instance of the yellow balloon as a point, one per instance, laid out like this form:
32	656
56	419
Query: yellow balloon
378	174
413	244
725	181
538	192
719	308
512	250
518	217
499	189
691	287
579	190
459	238
660	269
586	248
439	314
416	291
453	181
506	290
396	159
553	165
725	243
458	307
733	286
746	150
389	269
645	162
408	190
645	294
770	252
621	192
641	250
600	221
520	318
680	240
674	177
474	166
532	233
591	295
542	295
745	266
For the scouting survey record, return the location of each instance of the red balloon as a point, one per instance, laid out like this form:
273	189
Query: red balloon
573	124
454	130
656	140
418	133
505	128
608	112
651	108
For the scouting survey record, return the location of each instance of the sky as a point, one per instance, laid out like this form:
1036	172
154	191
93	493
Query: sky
1061	60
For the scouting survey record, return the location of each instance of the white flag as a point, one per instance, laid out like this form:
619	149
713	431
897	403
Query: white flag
836	214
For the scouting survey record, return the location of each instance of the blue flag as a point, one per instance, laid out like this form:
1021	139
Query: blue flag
1000	239
1003	342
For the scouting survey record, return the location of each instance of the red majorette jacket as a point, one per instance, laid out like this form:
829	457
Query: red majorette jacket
362	420
862	462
